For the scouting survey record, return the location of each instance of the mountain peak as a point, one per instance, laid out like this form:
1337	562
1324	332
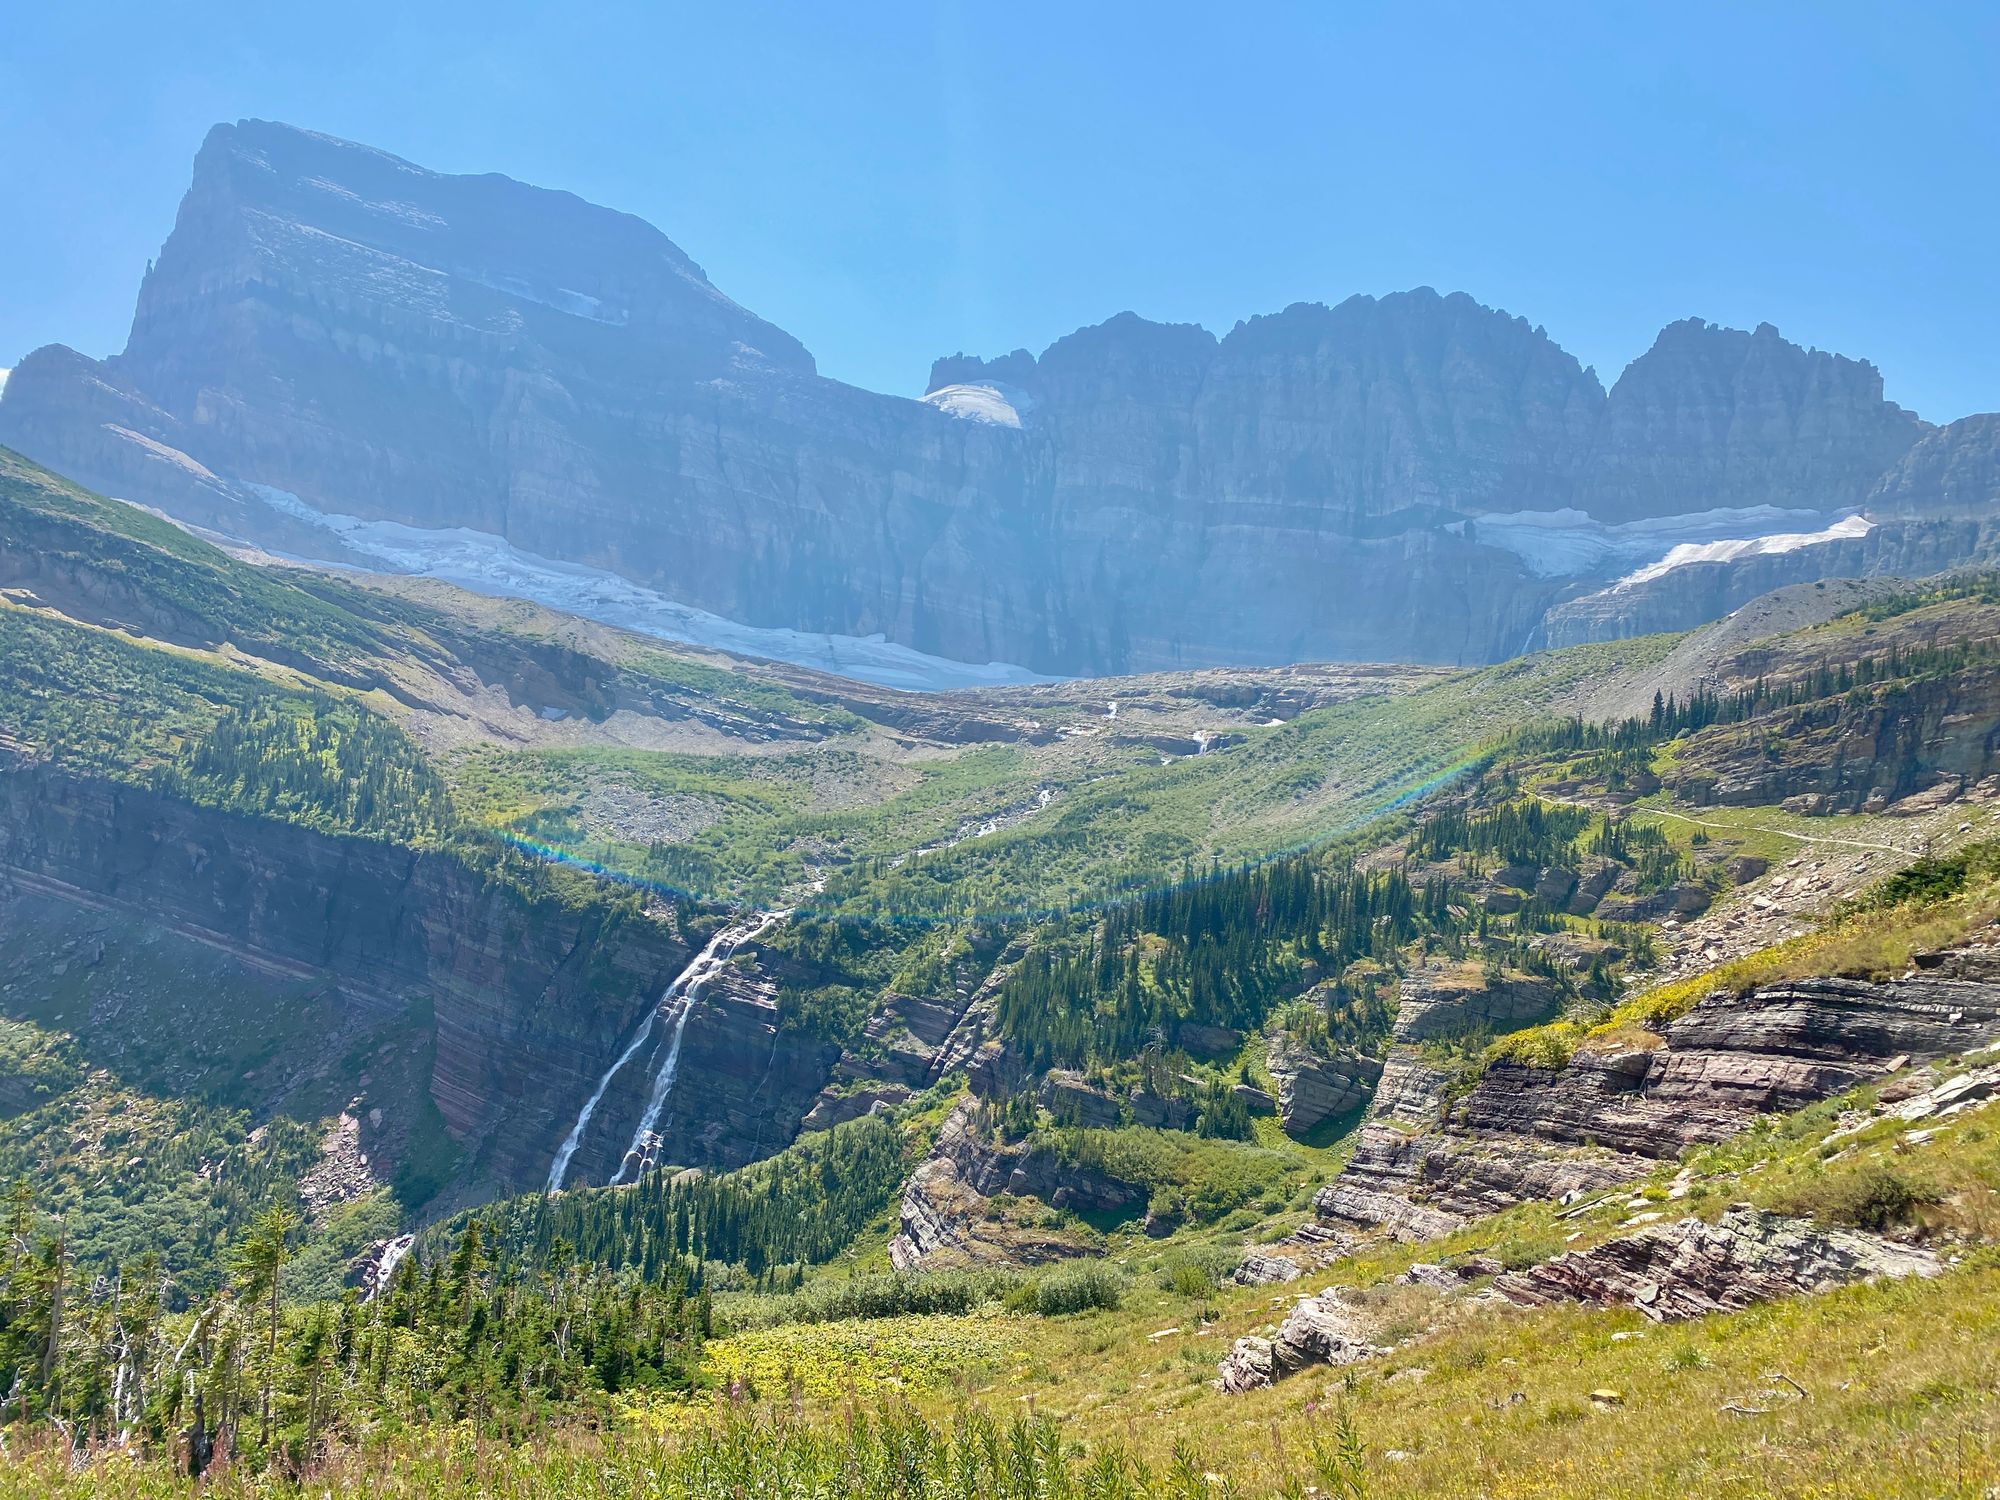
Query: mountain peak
273	208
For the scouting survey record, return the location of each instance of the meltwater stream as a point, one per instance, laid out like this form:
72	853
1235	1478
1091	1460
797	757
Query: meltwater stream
686	988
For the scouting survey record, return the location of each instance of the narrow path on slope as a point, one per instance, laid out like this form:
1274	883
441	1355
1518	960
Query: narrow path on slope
1783	833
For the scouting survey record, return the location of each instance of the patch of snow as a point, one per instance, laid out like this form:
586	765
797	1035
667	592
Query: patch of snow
561	298
3	380
992	402
1730	549
1570	544
488	564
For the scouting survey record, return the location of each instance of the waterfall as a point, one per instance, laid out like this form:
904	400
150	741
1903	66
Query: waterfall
393	1251
686	984
559	1168
708	963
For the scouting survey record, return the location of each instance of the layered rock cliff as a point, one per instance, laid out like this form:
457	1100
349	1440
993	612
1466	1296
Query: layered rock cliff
1607	1116
527	1000
329	323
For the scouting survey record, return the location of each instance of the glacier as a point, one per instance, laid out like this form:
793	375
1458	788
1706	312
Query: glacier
489	564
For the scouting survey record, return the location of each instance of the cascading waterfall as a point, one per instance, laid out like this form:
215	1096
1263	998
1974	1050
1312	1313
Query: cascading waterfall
559	1168
686	984
393	1252
721	948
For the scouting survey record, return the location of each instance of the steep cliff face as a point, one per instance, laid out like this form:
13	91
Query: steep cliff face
1952	470
388	343
1714	418
527	1000
1845	756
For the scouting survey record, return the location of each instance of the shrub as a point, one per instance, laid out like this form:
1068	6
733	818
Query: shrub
1875	1195
1197	1271
1550	1046
887	1294
1071	1289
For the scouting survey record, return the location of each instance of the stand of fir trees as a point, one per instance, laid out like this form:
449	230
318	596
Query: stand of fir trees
800	1207
1222	950
463	1338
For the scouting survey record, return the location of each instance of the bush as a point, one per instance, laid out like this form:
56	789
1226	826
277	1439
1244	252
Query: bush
1934	879
1197	1271
1071	1289
1549	1047
1875	1195
887	1294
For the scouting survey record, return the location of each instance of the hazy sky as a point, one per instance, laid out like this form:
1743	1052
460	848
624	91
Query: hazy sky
894	182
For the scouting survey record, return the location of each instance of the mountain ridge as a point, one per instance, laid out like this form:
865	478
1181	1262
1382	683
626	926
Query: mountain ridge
331	333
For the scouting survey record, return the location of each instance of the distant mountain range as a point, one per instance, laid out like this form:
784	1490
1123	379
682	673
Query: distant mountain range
343	356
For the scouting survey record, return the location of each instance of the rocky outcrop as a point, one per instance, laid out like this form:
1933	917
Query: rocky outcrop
1313	1088
1266	1270
527	999
1610	1115
1320	1330
1449	1001
836	1107
1071	1100
1421	1186
949	1218
380	341
1674	1271
1856	753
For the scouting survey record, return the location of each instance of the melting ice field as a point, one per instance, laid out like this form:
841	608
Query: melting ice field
488	564
686	989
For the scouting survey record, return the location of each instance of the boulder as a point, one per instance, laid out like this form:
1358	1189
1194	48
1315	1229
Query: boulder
1265	1270
1320	1330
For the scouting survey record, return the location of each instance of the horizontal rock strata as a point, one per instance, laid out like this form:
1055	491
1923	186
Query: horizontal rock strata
1685	1270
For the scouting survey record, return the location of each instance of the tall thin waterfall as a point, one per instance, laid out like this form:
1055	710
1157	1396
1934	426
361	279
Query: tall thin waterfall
559	1168
721	948
687	983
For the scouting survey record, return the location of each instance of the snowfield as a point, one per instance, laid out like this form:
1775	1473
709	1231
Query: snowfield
1731	549
1569	544
488	564
994	403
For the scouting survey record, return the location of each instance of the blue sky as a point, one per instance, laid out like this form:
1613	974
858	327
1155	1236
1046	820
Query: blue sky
893	182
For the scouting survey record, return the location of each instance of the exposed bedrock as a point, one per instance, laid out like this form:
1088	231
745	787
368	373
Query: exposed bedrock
1937	731
528	1000
947	1214
1684	1270
1319	1330
1314	1087
1425	1162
